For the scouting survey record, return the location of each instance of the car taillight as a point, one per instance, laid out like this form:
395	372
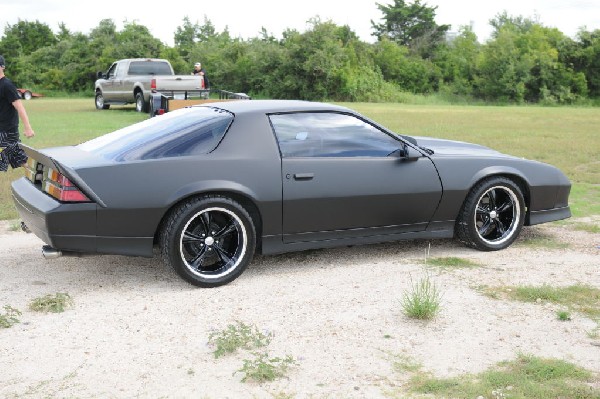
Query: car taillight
61	188
153	84
34	170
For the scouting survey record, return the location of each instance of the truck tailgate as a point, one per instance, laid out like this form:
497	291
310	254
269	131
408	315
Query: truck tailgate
178	82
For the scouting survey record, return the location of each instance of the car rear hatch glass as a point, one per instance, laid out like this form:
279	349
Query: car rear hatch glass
189	131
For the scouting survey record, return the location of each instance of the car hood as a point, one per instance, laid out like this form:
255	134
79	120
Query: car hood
451	147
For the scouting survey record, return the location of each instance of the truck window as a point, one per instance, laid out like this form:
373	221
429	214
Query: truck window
111	71
149	68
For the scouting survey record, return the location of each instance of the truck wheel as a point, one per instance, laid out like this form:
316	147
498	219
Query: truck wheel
140	104
100	101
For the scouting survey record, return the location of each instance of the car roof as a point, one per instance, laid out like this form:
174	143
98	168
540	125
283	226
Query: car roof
274	106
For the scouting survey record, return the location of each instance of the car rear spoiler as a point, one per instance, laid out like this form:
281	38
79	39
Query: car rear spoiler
50	162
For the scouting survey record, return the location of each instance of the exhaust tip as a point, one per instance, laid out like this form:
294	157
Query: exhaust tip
25	228
50	253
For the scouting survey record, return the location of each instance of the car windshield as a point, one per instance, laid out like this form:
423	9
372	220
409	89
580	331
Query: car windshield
188	131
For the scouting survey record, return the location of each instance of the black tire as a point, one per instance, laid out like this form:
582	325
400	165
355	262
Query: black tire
140	104
492	216
26	95
209	240
99	101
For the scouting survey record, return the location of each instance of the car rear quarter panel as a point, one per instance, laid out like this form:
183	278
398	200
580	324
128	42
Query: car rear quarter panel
138	194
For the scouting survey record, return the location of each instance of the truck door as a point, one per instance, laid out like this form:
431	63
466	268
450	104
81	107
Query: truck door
109	83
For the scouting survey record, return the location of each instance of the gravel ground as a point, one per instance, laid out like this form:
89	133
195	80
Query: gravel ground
137	330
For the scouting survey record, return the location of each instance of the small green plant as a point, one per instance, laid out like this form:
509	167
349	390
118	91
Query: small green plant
451	262
9	317
56	303
237	336
563	315
423	300
264	368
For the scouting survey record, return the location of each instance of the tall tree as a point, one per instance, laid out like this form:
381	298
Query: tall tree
412	25
584	55
185	37
22	39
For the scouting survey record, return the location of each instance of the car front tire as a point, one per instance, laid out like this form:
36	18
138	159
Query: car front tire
99	101
492	215
209	240
26	95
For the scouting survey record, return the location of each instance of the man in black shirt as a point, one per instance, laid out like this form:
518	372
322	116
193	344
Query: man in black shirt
11	109
199	71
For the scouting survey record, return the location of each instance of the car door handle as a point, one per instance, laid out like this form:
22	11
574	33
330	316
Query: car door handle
303	176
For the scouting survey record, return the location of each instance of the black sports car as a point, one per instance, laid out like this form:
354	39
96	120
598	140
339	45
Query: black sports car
212	185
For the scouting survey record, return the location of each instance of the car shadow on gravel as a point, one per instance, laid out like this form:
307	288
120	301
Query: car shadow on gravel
409	252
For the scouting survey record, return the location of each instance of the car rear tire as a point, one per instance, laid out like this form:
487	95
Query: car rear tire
99	101
209	240
140	104
26	95
492	216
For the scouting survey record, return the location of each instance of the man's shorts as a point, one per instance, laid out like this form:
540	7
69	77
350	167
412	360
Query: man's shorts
11	154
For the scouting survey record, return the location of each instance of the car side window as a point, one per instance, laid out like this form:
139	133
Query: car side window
330	134
111	71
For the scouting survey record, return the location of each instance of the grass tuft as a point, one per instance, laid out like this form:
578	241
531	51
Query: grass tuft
57	303
563	315
423	300
584	299
526	377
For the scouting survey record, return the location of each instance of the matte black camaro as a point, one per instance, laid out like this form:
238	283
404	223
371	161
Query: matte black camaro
212	185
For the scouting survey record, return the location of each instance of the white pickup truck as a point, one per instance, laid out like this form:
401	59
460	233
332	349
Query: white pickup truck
134	80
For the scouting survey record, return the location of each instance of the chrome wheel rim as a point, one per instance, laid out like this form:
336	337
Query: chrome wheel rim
497	215
139	103
99	101
213	243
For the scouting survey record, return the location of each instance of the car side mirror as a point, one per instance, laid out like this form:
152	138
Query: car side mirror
407	153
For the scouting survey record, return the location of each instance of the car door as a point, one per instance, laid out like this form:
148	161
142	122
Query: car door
108	86
342	179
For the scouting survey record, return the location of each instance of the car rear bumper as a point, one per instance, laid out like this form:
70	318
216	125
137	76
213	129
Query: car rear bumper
71	226
68	227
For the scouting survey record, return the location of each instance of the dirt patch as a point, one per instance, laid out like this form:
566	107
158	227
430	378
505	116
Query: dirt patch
137	330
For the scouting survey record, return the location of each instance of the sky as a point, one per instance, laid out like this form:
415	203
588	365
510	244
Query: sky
245	18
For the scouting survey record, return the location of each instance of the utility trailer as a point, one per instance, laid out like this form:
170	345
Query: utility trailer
166	101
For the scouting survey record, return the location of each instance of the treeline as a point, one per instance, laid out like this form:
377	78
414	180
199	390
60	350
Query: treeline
523	61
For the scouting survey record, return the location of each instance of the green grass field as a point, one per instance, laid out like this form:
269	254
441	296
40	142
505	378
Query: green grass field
567	137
